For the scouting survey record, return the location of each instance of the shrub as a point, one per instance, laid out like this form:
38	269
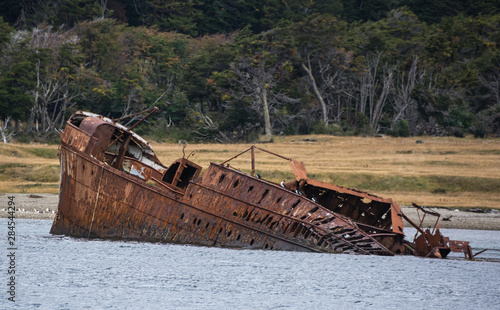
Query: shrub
400	129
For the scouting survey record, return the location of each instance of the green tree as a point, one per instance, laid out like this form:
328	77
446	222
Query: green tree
259	71
322	56
10	10
362	10
157	64
170	15
101	44
228	16
61	13
201	79
18	78
400	34
464	51
15	83
5	31
433	11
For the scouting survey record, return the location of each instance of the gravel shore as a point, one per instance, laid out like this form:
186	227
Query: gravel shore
44	206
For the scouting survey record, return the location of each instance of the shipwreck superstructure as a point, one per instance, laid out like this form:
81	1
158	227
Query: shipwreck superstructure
114	186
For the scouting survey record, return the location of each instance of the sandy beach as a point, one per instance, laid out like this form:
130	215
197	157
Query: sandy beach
44	206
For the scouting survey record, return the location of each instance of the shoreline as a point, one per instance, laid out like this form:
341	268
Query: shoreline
44	206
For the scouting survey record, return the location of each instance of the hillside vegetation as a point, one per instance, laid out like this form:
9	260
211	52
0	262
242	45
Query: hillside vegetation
234	71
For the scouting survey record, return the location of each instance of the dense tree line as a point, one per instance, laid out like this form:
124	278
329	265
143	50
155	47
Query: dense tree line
233	70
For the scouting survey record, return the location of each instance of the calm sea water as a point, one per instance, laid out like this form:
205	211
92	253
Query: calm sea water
55	272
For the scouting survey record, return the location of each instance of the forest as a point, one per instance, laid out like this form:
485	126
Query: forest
249	70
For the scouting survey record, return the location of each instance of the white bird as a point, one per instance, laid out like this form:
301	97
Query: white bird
283	183
297	190
48	210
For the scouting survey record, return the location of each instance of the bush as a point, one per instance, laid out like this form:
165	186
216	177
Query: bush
400	129
479	128
439	190
363	125
319	128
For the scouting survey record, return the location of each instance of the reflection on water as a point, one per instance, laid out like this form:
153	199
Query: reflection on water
65	273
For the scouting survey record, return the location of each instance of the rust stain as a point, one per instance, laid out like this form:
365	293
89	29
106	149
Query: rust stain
114	186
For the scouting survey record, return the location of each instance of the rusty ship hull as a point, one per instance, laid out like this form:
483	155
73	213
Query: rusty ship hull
96	201
114	186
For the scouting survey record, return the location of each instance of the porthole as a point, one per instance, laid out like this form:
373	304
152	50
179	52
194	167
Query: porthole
295	204
222	178
263	195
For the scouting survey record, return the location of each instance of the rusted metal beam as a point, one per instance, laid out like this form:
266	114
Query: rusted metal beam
253	162
479	252
135	114
151	111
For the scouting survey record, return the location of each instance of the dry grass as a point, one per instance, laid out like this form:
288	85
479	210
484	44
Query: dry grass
29	168
449	172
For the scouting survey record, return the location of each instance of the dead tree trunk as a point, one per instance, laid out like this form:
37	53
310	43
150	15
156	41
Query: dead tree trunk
317	93
387	85
406	82
265	107
4	131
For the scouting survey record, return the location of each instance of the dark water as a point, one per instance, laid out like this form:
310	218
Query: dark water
57	272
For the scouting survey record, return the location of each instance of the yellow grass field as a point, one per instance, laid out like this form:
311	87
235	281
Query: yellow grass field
436	171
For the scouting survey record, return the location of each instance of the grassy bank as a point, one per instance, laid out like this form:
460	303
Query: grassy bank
448	172
29	168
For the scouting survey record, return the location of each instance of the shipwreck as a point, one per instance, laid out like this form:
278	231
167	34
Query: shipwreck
114	186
